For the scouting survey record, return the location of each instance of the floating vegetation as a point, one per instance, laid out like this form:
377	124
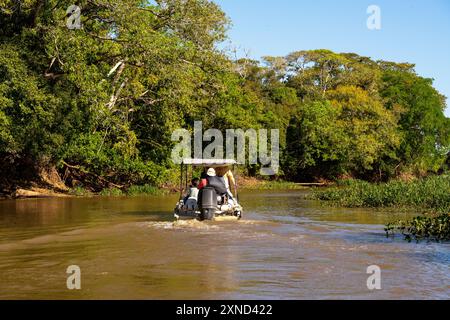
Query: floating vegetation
422	228
431	194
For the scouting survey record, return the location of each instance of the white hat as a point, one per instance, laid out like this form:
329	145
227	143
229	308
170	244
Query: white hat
211	172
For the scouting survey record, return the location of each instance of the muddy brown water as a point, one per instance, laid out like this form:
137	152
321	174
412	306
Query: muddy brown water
285	248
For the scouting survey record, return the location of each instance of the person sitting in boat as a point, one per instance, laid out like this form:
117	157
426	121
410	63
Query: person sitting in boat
210	179
218	183
227	176
203	180
190	201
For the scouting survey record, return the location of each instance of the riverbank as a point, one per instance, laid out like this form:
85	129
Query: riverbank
249	183
46	191
34	192
132	191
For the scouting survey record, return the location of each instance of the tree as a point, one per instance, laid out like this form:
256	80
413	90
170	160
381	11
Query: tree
315	143
106	97
424	127
348	134
102	101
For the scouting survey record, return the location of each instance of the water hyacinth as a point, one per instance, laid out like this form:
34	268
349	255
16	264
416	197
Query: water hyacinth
420	228
431	195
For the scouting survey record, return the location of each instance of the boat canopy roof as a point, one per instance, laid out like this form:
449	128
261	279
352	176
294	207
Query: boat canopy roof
209	162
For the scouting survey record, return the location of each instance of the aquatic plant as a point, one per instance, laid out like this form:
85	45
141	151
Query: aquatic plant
422	228
431	194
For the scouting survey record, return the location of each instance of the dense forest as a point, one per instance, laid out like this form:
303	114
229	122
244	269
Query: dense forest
97	105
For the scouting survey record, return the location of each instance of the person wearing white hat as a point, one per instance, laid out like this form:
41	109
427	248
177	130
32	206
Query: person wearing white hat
211	172
212	180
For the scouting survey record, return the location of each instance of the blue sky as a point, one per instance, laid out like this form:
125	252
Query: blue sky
415	31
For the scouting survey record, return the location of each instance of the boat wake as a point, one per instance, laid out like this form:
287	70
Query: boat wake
200	225
182	224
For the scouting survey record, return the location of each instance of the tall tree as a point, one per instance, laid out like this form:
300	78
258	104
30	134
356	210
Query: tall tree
424	127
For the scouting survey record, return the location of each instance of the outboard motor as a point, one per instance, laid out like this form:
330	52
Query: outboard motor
208	203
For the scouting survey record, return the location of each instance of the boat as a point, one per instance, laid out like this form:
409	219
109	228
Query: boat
210	205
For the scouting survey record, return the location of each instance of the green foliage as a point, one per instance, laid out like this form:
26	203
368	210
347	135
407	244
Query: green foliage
144	190
349	133
422	228
106	98
274	185
383	120
80	192
101	102
313	137
27	111
112	192
133	191
430	194
425	129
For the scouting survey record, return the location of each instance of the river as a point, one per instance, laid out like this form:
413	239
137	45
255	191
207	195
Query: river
286	247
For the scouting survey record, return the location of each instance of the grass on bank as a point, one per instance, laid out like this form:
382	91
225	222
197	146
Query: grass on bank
149	190
256	184
80	192
432	195
133	191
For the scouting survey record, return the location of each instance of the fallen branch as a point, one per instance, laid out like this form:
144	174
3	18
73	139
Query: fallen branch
92	174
